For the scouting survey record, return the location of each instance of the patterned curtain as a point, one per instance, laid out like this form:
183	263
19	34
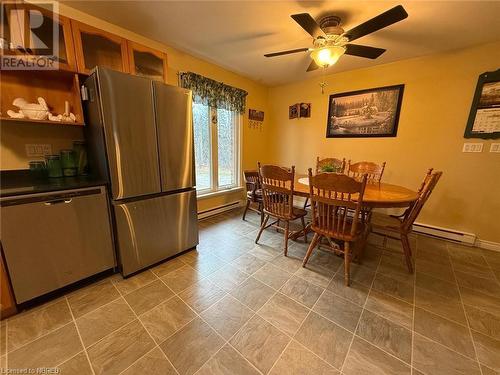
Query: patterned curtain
213	93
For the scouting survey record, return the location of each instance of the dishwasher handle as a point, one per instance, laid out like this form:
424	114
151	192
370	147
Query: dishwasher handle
58	201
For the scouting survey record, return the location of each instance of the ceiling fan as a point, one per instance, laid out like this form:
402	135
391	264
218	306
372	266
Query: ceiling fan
331	41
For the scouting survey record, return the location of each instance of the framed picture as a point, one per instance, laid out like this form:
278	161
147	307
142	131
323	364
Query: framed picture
365	113
293	111
255	115
484	116
305	110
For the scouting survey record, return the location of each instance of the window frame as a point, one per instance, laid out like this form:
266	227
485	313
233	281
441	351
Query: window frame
214	154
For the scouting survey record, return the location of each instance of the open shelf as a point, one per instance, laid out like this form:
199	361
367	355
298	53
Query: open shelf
29	121
55	87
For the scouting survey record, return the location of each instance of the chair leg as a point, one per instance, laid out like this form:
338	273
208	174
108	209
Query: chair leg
262	228
246	209
407	251
347	264
306	202
304	228
311	247
287	231
261	210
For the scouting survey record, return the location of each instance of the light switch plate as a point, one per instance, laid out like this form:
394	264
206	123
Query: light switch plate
495	147
472	147
36	150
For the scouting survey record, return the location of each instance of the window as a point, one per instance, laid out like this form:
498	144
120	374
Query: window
216	140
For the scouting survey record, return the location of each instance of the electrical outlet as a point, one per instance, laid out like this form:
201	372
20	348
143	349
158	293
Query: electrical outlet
36	150
472	147
495	147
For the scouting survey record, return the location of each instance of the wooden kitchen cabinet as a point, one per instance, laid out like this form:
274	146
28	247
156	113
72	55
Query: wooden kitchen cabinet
147	62
7	304
95	47
15	22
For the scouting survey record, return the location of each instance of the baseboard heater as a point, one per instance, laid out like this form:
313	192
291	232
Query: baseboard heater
447	234
218	210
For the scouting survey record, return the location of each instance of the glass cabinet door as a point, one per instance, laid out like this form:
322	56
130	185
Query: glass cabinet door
147	62
96	47
19	39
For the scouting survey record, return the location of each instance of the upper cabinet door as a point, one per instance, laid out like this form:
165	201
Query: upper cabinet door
39	41
96	47
147	62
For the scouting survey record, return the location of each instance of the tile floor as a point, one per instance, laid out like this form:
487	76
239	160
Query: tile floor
233	307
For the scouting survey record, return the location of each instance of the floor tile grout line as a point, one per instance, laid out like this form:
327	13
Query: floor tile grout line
359	319
293	337
415	267
466	319
80	336
144	327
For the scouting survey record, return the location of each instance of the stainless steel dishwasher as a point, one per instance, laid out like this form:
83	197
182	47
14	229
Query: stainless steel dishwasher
53	239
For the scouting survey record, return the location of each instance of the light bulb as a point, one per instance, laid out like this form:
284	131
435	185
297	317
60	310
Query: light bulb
327	56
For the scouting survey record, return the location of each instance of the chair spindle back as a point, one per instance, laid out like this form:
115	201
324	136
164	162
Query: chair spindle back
277	190
373	171
332	196
338	164
429	184
251	180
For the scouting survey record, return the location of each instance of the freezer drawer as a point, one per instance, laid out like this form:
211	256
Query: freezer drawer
154	229
50	241
173	107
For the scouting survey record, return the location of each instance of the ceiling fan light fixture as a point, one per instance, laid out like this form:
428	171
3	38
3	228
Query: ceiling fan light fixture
327	56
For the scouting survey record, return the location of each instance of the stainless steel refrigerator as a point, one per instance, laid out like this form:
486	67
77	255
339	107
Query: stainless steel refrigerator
140	137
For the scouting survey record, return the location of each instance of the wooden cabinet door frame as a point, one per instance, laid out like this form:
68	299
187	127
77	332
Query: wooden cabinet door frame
133	46
66	27
7	302
79	28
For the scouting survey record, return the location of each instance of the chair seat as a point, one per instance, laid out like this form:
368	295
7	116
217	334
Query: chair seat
346	235
299	212
385	222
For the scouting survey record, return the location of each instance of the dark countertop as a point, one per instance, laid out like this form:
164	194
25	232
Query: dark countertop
20	182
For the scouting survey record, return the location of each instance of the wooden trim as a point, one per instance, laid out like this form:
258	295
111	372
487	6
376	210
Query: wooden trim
78	28
133	46
7	302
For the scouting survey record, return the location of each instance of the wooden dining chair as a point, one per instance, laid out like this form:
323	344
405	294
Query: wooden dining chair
373	171
333	196
399	227
324	165
254	193
277	196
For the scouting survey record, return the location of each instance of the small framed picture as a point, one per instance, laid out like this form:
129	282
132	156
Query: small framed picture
365	113
293	111
305	110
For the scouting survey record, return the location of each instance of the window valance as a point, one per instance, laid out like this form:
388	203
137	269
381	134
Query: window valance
215	94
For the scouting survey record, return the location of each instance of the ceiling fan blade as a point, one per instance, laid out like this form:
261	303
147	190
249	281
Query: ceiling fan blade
308	24
312	66
286	52
363	51
385	19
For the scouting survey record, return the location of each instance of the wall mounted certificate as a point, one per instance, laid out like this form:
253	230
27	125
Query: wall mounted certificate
484	117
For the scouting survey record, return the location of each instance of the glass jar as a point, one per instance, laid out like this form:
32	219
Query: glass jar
54	168
37	169
68	163
81	157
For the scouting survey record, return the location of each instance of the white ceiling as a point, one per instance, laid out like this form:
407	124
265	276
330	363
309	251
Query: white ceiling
236	34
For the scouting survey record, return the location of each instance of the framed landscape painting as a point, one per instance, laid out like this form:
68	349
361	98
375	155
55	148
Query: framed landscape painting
365	113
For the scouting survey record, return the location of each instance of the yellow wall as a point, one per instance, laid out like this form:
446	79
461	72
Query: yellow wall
14	136
437	98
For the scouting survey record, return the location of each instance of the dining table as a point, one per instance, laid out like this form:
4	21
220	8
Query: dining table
377	195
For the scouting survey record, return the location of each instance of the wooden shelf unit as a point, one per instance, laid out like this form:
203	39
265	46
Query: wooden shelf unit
55	87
